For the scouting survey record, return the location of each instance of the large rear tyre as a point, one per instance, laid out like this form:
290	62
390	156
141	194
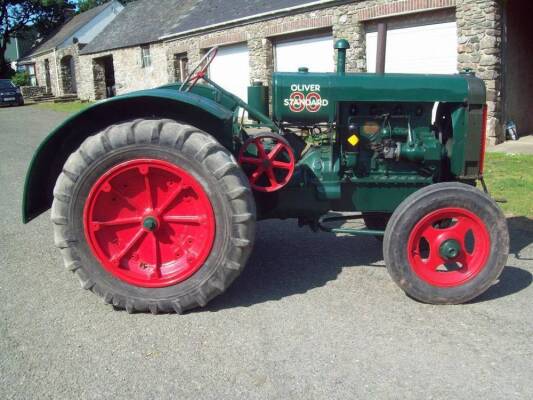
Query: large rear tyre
153	215
446	244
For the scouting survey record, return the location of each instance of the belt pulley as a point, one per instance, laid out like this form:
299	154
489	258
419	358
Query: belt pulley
268	161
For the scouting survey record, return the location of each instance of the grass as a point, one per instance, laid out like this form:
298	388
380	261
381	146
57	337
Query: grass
71	107
510	177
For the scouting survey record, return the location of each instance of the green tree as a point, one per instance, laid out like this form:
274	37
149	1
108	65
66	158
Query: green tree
17	15
84	5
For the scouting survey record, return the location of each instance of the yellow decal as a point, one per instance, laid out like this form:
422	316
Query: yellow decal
353	140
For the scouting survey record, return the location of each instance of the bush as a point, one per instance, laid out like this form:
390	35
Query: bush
21	79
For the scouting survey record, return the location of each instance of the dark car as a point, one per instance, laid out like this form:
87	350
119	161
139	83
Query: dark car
10	94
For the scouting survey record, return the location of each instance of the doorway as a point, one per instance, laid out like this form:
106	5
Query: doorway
104	77
517	66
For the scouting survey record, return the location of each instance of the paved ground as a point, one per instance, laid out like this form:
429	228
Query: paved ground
522	146
312	317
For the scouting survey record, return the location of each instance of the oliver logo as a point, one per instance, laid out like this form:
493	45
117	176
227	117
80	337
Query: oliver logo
312	101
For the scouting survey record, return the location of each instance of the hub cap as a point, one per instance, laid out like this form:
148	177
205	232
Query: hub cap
149	223
449	247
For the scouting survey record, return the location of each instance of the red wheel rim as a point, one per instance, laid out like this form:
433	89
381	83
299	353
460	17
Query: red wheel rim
149	223
430	242
269	167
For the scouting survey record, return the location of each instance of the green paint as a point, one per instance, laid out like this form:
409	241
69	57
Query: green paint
450	249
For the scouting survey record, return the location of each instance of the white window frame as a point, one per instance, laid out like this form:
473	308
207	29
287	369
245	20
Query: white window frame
146	57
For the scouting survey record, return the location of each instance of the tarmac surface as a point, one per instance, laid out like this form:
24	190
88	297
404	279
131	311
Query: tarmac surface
313	316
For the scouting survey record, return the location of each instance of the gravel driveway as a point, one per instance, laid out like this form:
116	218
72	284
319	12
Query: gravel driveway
313	316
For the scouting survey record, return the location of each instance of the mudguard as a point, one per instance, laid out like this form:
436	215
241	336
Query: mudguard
213	115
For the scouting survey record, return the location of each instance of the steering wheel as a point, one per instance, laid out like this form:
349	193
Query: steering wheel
199	70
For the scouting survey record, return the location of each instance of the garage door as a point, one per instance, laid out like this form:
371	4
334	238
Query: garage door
429	49
315	53
230	69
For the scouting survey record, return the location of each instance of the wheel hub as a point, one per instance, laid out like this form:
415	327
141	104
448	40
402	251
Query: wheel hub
149	223
449	247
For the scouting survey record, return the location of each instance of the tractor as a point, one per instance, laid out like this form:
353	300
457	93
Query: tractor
155	195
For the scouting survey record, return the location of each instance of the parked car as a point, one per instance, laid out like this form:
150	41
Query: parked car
10	94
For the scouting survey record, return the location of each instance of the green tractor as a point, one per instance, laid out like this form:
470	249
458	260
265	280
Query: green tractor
155	194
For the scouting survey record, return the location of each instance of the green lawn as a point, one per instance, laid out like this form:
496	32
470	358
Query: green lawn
510	177
71	107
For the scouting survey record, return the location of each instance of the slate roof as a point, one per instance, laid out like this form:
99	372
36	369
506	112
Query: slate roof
68	29
146	21
142	21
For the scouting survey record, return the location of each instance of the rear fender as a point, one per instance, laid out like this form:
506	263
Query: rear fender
53	152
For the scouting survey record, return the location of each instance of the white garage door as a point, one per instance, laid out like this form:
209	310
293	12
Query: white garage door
315	53
230	69
429	49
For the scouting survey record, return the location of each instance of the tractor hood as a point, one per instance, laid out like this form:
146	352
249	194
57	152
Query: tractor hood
305	97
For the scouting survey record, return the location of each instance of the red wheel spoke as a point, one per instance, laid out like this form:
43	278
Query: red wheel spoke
184	219
138	236
251	160
256	175
434	260
147	187
461	228
261	150
157	253
432	234
275	151
118	221
281	165
170	199
271	176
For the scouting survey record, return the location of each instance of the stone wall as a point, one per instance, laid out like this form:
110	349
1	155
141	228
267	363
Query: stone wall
480	37
479	42
59	83
29	92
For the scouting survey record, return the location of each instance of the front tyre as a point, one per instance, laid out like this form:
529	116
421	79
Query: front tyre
153	215
446	244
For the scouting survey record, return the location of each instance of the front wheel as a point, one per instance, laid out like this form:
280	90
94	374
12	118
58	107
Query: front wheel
153	215
446	244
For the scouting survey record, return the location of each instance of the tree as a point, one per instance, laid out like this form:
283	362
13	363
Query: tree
84	5
17	15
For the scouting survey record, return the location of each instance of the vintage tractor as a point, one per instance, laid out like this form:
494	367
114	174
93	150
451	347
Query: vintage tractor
155	194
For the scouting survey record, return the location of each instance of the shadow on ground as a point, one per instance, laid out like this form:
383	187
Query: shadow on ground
296	261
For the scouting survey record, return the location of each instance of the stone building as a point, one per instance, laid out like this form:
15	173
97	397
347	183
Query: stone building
153	43
54	65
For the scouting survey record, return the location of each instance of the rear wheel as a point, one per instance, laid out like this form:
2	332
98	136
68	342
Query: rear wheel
446	244
153	215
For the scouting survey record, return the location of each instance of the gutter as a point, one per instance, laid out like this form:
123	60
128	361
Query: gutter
251	17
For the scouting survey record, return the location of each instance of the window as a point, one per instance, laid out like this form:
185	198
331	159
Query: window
146	59
181	68
31	72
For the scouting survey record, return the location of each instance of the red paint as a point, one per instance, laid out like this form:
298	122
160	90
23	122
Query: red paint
484	123
472	263
140	194
270	169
